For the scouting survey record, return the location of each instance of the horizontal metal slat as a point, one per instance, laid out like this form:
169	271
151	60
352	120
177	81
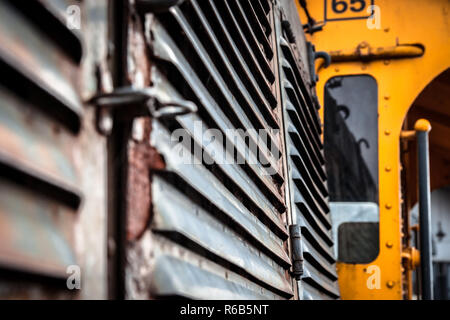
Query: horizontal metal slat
319	245
314	193
258	29
317	280
311	293
35	233
295	100
318	242
265	4
314	257
242	184
266	53
237	109
311	111
324	263
210	188
50	16
262	16
174	212
239	62
35	151
164	48
267	120
303	163
30	56
259	62
215	150
310	221
14	170
314	148
297	151
312	203
180	273
290	57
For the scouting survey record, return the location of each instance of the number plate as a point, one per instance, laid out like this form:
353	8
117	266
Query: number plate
336	10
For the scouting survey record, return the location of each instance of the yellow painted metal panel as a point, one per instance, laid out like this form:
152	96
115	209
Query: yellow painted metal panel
399	82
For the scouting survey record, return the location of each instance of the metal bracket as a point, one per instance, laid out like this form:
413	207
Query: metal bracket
312	25
313	55
297	251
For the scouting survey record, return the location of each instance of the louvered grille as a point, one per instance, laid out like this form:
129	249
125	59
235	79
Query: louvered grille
308	188
52	175
217	230
40	113
225	223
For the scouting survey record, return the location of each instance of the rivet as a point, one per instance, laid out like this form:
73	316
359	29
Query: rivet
388	206
386	97
388	169
336	69
389	244
386	29
390	284
363	44
387	132
386	62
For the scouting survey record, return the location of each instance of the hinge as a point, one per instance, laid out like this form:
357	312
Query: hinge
296	251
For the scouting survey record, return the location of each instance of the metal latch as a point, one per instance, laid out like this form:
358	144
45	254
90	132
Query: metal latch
139	102
296	251
147	99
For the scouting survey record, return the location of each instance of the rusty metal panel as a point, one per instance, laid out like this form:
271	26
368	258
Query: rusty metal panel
30	58
36	234
216	230
174	271
307	178
225	89
233	172
209	187
52	159
199	227
165	48
32	140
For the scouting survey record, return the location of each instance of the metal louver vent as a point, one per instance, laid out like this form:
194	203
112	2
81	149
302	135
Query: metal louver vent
218	231
307	178
40	115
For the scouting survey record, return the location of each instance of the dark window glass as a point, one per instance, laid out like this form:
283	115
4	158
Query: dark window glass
351	138
358	242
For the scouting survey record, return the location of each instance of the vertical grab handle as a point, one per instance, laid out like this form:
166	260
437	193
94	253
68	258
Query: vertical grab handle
422	128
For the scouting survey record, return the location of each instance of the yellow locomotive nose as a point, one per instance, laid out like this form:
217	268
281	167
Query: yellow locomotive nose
409	62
